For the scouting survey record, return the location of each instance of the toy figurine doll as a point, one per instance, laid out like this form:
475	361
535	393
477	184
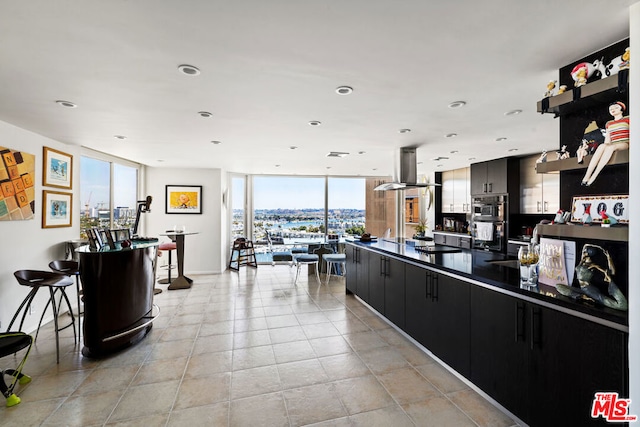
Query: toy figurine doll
616	139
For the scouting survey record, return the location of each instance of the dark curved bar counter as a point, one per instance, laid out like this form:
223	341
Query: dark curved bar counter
479	267
118	296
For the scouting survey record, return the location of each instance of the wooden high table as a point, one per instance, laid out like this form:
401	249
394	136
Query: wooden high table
182	281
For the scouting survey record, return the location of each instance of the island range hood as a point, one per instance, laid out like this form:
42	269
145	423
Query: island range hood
408	173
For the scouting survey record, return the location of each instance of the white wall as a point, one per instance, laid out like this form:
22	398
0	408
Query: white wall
25	245
634	208
204	252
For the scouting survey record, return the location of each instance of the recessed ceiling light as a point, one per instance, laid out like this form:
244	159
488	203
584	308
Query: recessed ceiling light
512	150
188	70
454	151
277	166
216	142
119	137
451	135
419	163
457	104
160	160
67	104
502	138
205	114
437	159
361	152
293	147
472	158
439	166
404	130
314	123
328	167
337	154
374	169
513	113
344	90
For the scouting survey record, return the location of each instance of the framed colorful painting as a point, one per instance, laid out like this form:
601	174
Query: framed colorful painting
17	185
57	169
57	208
183	199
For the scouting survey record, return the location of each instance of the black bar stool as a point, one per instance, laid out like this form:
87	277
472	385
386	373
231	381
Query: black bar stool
56	282
70	268
12	342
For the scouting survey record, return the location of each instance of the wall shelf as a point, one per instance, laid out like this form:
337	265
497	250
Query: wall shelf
592	94
618	158
615	234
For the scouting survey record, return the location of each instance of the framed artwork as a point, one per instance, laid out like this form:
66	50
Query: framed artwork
183	199
615	206
57	168
17	185
56	209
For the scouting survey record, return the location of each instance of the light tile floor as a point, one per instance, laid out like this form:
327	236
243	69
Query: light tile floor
251	349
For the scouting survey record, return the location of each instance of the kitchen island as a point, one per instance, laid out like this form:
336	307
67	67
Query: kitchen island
539	354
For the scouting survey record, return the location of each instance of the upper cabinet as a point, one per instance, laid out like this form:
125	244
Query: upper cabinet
455	191
539	194
498	176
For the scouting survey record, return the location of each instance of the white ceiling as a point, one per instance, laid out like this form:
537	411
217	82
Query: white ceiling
271	66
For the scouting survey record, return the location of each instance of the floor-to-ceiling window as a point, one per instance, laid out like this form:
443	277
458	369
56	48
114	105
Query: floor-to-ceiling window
238	207
108	191
346	206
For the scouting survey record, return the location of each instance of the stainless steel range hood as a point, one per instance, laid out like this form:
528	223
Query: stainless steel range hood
408	173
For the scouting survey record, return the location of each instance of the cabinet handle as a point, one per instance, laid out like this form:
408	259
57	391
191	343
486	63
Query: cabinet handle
426	285
519	321
491	187
535	328
546	207
382	266
539	206
357	255
451	207
434	293
484	187
387	268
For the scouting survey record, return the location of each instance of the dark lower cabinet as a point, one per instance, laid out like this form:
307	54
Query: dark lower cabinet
357	275
541	364
437	315
386	287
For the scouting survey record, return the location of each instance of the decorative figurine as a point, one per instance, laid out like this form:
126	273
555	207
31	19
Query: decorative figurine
616	139
624	65
550	86
595	274
563	153
586	216
543	157
581	73
583	150
606	217
562	89
561	217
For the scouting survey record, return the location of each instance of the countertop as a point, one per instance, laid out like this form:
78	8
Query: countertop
476	265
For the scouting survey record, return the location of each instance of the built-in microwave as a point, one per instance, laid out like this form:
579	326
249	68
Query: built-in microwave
489	208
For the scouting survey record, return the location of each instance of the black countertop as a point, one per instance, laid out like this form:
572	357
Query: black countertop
477	265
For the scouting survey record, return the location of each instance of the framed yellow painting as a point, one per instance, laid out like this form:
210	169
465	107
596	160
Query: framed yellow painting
183	199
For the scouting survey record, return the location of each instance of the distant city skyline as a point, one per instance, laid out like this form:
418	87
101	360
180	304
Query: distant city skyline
280	192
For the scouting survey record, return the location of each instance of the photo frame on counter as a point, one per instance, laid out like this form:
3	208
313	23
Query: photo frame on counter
57	169
183	199
616	206
57	209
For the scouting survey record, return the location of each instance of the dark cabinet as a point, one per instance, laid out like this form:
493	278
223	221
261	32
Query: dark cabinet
386	279
357	275
460	241
495	177
440	239
437	315
543	365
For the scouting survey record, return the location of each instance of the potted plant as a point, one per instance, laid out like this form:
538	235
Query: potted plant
606	222
421	227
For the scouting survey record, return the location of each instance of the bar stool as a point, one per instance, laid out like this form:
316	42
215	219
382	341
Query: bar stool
332	259
306	259
56	282
10	343
70	268
169	247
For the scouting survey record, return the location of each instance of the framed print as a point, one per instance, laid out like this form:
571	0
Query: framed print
57	168
616	206
183	199
56	209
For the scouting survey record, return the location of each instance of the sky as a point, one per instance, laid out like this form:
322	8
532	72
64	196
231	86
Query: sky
95	184
276	192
